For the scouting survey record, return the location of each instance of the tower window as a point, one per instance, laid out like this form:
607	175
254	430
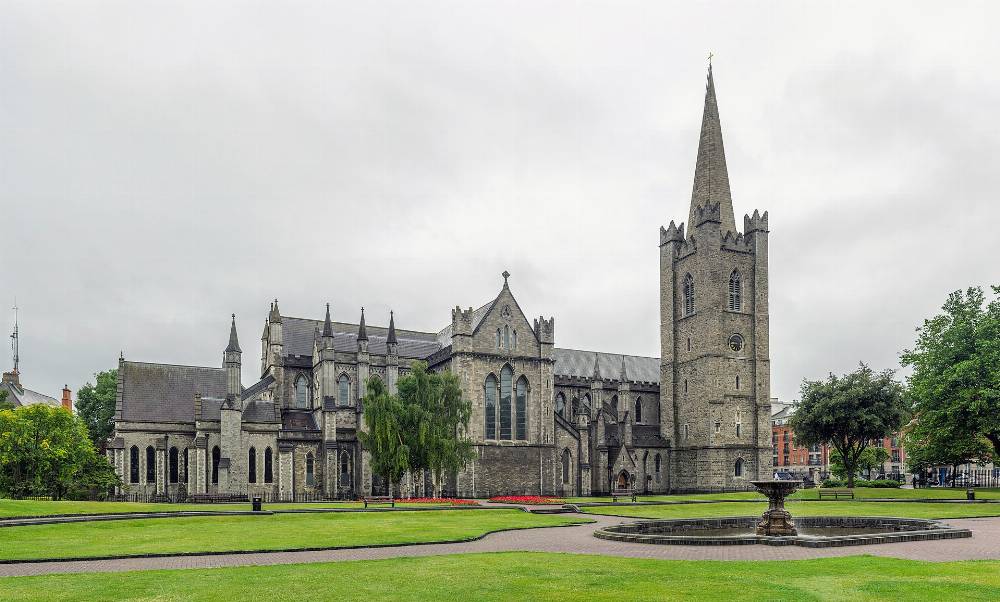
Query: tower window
687	432
735	292
689	343
738	468
718	427
737	381
685	385
561	405
688	295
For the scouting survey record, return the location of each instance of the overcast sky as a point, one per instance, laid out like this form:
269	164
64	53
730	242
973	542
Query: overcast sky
163	165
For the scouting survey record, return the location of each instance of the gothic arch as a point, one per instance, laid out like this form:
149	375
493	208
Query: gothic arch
735	291
688	295
301	392
344	389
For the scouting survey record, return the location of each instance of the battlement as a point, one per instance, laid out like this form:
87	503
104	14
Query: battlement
671	233
688	247
545	329
737	242
461	321
755	222
708	213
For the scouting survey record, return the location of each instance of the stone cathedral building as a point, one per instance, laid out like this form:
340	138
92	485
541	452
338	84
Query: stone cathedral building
546	420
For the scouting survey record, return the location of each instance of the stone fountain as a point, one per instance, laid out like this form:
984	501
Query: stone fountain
776	521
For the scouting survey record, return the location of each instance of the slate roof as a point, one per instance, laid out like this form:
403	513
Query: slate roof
647	435
298	421
165	393
444	335
27	397
297	336
258	387
261	411
580	364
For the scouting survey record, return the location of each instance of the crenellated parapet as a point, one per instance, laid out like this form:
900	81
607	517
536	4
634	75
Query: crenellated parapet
461	321
545	329
708	213
671	233
735	241
755	222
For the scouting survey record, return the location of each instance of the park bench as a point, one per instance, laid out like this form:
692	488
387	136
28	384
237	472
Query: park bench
617	493
836	494
379	499
212	498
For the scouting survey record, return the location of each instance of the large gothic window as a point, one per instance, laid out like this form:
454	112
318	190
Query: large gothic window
310	468
565	466
252	465
173	465
575	405
301	392
268	466
561	405
133	464
586	405
216	456
688	295
735	292
521	420
638	409
506	337
150	464
490	407
498	338
344	390
506	384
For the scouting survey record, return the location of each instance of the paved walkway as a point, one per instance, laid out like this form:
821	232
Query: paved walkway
984	544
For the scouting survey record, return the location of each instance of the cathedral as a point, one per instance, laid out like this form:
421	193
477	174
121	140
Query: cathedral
545	420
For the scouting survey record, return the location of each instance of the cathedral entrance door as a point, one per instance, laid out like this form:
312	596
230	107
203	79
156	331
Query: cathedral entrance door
623	481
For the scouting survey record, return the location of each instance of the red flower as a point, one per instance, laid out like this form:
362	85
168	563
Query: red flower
525	499
437	500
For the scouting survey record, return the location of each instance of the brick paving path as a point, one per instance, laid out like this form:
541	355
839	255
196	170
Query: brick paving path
984	544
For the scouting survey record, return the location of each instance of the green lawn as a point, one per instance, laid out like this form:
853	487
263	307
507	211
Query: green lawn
824	508
534	576
13	508
811	494
267	532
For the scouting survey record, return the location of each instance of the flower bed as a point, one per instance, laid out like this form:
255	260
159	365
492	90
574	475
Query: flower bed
525	499
437	500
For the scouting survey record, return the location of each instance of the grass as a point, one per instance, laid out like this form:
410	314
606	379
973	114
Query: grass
268	532
533	576
813	494
824	508
15	508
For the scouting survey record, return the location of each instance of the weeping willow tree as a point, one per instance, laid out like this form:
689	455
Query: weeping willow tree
385	437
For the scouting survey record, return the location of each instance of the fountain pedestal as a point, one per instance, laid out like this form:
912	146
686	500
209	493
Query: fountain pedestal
776	521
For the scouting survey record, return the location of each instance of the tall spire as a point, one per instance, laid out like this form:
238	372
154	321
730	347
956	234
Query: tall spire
362	331
711	178
234	344
391	338
327	325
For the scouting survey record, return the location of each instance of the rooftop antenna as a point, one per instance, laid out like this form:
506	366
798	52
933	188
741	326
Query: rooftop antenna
13	339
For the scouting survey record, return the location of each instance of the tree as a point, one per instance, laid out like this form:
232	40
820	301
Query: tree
849	412
954	389
385	437
438	418
46	451
4	404
872	459
95	404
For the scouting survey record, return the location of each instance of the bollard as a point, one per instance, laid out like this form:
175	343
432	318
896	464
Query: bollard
256	504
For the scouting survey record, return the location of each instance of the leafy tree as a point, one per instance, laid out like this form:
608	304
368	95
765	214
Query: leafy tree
849	412
438	418
872	460
46	451
955	385
4	404
95	404
385	437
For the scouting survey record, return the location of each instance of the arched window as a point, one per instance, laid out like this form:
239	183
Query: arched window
133	464
345	468
344	390
561	405
513	337
506	337
735	292
565	466
739	424
586	404
737	381
521	405
310	467
656	463
638	409
187	452
301	392
614	404
575	405
150	464
173	465
490	395
216	456
506	384
252	465
738	469
268	463
498	338
688	295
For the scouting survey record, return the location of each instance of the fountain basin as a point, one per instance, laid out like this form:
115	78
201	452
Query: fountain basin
813	531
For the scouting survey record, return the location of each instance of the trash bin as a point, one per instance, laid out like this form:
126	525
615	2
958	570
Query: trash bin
256	504
970	494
